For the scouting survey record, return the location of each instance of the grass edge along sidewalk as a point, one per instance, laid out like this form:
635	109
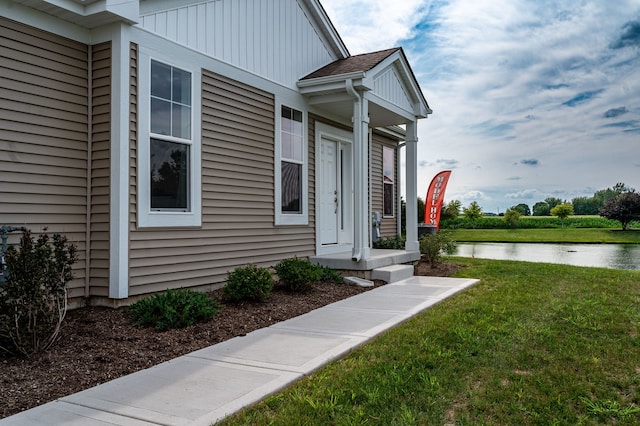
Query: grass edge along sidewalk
531	343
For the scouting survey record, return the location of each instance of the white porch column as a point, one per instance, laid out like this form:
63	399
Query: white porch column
412	186
362	216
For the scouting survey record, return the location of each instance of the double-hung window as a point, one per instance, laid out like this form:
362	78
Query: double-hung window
169	146
388	168
291	168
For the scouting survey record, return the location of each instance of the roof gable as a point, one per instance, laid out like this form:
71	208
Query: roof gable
386	79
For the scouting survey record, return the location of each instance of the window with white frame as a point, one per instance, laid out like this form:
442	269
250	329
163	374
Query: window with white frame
291	168
388	168
169	146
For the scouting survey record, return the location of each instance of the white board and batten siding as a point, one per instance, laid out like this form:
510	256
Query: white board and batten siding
43	136
237	200
274	39
388	86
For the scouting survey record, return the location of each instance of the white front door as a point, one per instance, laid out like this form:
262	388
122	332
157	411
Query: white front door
334	194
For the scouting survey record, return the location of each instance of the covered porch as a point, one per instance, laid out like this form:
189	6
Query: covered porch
377	91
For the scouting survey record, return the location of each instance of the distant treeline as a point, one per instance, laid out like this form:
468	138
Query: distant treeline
581	205
496	222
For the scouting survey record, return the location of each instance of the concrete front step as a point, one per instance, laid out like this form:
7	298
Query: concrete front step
392	273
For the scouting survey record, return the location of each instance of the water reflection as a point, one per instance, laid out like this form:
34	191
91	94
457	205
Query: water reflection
616	256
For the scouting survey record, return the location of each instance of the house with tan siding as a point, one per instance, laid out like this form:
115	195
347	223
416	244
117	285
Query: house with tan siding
175	140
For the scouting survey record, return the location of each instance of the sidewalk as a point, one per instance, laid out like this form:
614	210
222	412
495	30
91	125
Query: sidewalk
205	386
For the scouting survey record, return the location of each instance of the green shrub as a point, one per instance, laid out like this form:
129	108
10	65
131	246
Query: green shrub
297	275
248	283
329	275
433	246
173	309
530	222
391	243
33	299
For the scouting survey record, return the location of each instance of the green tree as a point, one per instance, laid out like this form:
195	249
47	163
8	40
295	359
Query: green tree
562	211
604	195
451	210
522	208
473	213
552	202
512	216
624	208
585	205
541	208
420	210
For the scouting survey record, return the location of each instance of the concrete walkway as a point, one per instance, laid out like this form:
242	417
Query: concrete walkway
207	385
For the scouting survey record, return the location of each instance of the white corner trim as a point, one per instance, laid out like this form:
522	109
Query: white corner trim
119	180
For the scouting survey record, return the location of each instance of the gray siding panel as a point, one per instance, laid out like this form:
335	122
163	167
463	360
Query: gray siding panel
43	136
237	199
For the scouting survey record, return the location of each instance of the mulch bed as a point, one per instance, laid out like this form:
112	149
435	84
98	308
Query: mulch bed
97	344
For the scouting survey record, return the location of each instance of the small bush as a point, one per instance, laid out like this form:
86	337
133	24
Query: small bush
297	275
33	299
433	246
391	243
248	283
173	309
329	275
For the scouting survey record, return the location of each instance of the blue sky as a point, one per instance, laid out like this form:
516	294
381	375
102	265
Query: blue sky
531	99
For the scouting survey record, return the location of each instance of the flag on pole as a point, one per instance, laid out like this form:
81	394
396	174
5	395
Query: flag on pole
435	198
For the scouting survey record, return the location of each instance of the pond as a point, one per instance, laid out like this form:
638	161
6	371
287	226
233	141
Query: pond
616	256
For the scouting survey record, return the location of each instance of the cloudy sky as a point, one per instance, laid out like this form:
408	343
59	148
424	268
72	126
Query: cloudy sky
531	99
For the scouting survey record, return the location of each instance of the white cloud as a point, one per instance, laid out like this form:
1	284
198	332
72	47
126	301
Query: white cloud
526	194
498	75
370	25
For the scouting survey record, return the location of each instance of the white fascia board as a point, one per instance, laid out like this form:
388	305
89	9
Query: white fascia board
35	18
334	83
128	10
327	80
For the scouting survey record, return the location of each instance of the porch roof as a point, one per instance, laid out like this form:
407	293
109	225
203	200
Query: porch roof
383	77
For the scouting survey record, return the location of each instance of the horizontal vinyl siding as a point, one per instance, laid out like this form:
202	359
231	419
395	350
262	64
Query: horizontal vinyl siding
388	225
237	200
100	168
43	136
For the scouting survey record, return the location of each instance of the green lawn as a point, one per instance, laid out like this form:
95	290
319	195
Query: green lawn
554	235
530	344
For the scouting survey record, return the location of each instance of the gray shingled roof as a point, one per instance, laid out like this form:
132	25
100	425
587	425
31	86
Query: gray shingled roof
355	63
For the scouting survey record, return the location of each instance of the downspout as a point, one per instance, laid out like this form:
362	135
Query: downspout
87	249
399	185
356	254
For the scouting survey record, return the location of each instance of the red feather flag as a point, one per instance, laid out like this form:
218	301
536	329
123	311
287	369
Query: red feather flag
435	198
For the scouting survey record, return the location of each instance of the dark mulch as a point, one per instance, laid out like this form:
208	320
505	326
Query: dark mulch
99	344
